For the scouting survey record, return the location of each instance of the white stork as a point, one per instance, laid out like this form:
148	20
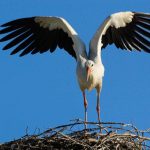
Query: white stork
127	30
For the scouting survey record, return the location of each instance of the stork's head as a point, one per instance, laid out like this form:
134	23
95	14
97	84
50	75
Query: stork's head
89	68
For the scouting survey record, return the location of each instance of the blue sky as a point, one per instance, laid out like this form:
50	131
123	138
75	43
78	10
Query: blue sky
41	91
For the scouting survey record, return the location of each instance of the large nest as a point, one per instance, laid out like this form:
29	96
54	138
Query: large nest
103	136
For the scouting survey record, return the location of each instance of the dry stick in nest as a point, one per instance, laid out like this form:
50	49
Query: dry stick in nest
113	136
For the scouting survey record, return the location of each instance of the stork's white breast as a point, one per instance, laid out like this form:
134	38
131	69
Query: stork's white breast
95	77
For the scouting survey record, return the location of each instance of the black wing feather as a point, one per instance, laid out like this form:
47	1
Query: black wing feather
23	45
141	31
13	34
18	39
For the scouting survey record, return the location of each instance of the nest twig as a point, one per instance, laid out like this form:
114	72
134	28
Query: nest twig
73	136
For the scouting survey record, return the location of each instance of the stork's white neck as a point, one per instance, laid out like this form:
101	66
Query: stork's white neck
95	56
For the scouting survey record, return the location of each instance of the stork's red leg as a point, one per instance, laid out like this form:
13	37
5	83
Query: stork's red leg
85	108
98	88
98	106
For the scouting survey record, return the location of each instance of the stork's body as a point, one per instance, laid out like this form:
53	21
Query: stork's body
90	75
127	30
95	77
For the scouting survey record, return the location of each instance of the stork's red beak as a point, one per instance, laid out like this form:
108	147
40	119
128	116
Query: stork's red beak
88	70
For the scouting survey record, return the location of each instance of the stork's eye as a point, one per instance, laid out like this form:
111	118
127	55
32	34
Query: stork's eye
92	65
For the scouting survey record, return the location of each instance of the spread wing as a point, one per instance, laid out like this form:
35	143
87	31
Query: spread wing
127	30
40	34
